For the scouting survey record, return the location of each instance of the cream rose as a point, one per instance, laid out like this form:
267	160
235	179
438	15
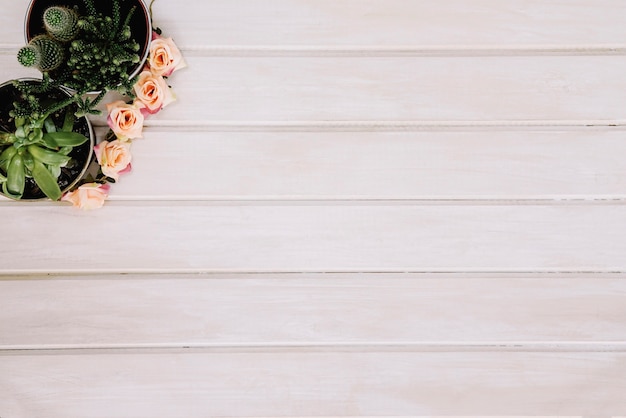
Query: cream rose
114	158
88	196
165	57
126	120
153	92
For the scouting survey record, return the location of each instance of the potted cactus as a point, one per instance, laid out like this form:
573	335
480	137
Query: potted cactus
44	148
87	46
82	48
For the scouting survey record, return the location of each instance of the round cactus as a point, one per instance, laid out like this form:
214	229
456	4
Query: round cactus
42	52
61	23
29	56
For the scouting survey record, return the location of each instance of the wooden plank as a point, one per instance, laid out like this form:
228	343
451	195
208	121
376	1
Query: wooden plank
180	310
391	23
261	90
305	90
339	89
376	165
379	23
12	24
296	237
301	383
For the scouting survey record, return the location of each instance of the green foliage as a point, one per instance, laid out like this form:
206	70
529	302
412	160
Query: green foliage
28	56
88	53
103	55
61	23
37	148
43	53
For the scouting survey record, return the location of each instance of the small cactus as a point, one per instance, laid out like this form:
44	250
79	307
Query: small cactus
42	52
61	23
96	54
28	56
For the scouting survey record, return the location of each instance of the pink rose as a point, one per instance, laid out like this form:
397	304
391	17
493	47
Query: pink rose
165	57
153	92
88	196
114	158
126	120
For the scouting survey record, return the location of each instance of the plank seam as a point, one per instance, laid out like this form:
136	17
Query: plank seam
486	346
13	274
381	125
282	200
285	275
335	51
401	50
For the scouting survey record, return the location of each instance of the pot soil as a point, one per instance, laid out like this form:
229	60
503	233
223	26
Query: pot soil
81	155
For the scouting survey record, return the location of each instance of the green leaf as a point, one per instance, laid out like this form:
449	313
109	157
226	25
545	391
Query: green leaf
35	137
20	132
68	123
29	161
48	142
65	150
16	177
49	125
55	170
65	139
46	181
6	191
6	138
6	157
48	157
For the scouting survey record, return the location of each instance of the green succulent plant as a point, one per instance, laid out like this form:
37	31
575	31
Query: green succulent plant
43	53
37	147
61	23
99	53
103	54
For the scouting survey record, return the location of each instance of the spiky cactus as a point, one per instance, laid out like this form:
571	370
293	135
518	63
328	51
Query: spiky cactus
43	53
92	52
61	23
104	54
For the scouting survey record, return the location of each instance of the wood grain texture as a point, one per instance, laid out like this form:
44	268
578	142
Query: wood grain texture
310	237
391	23
288	89
181	310
236	91
377	23
359	136
310	384
491	164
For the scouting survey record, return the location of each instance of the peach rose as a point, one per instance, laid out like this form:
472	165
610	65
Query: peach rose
126	120
165	57
88	196
114	158
153	92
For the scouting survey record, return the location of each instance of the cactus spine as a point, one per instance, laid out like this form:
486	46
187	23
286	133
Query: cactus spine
93	51
42	52
61	23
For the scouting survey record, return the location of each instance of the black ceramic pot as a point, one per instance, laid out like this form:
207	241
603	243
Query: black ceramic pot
140	24
81	155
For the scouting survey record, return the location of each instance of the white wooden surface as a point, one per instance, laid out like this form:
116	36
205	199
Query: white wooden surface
356	208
